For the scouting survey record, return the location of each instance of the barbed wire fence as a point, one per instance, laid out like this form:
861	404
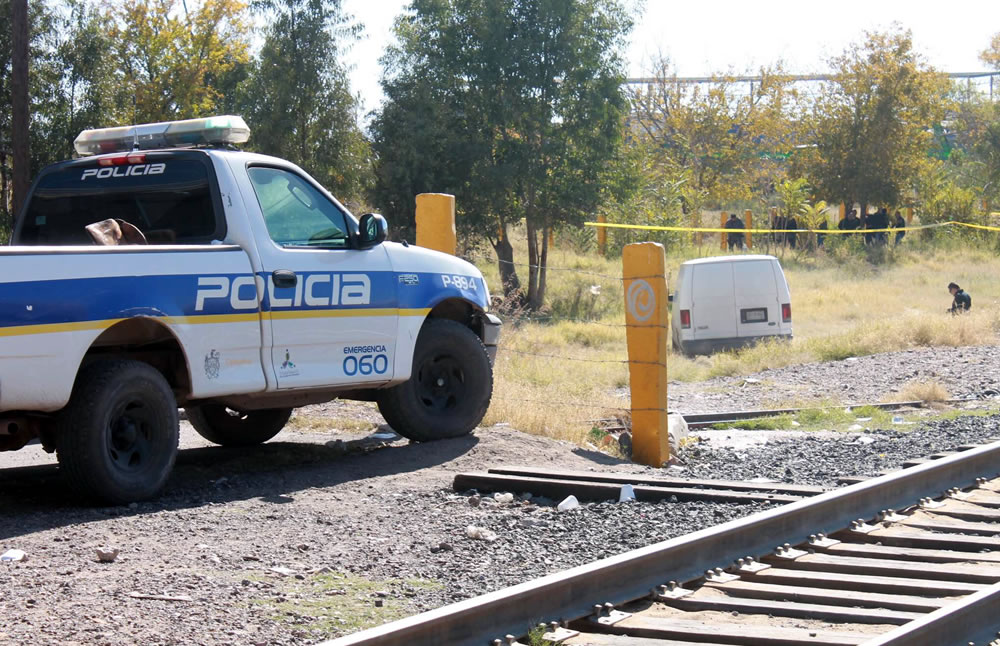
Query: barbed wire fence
605	416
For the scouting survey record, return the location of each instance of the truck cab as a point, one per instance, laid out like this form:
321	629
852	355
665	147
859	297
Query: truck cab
236	283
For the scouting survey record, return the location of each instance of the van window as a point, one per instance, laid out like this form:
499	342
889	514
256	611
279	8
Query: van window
172	206
295	212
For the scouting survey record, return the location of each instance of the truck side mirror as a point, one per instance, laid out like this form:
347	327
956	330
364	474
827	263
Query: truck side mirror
373	230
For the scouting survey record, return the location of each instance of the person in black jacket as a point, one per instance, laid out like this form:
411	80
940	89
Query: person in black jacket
851	222
962	302
735	240
899	223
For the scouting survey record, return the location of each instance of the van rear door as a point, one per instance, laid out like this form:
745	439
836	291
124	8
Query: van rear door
712	301
758	312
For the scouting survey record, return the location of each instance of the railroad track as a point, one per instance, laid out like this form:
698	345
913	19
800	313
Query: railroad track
836	568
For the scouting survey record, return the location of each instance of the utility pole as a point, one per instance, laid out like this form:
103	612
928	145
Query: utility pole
19	101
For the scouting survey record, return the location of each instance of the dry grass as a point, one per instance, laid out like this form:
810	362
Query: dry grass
928	392
840	310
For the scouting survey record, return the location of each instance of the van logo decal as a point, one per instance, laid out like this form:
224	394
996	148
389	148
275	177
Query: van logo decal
641	300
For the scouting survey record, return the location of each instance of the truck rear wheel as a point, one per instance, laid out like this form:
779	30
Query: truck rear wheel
221	425
449	389
117	437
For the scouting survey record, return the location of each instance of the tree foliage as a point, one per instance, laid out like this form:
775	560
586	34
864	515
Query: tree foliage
166	56
513	105
732	138
871	124
298	99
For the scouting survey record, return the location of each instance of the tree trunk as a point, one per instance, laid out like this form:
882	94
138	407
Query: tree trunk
533	264
19	102
543	263
508	271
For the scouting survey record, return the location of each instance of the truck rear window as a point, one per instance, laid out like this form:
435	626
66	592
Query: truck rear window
168	199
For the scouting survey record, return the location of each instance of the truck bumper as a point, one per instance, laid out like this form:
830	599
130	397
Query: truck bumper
491	335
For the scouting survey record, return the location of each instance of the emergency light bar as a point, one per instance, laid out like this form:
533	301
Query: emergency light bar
168	134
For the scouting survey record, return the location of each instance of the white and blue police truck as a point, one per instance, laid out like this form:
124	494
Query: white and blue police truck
227	283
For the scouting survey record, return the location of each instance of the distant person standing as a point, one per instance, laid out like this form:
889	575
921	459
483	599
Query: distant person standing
962	302
735	240
791	223
899	223
879	221
820	237
851	222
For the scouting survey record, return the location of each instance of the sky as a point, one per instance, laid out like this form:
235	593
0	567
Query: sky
703	37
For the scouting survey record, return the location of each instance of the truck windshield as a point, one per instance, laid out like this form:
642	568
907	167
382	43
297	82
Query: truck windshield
169	201
295	212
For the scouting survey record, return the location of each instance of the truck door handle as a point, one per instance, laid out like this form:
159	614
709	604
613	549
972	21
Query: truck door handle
284	278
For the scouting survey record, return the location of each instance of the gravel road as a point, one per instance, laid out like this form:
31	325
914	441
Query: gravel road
322	531
969	372
317	534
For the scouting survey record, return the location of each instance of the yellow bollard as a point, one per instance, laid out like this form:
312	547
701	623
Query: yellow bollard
602	237
843	212
436	222
646	317
748	222
722	225
909	216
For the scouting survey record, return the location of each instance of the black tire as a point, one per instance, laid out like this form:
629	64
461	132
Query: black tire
449	389
229	427
117	437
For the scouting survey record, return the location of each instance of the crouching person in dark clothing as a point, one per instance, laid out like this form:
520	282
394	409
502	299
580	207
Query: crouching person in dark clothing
962	302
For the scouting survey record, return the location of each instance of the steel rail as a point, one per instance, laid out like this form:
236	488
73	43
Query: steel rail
705	419
970	620
626	577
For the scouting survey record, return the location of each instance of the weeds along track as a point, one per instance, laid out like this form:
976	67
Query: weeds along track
839	568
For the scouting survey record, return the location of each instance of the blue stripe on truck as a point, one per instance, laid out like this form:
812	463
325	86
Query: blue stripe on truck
76	300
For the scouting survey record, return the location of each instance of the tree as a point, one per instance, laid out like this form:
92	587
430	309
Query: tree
74	81
19	100
732	137
513	105
991	55
298	98
166	56
872	122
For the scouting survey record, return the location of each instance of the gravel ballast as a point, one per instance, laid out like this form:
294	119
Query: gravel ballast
967	372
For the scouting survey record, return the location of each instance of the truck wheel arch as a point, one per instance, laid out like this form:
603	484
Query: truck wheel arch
145	339
460	311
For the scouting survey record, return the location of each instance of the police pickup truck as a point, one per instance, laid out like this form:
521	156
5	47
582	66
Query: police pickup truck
166	268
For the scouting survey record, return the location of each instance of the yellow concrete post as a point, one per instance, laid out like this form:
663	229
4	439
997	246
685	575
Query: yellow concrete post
909	216
722	234
602	237
646	318
748	218
436	222
843	212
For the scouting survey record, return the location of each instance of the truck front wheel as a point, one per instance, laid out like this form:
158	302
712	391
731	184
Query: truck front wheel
449	389
117	437
221	425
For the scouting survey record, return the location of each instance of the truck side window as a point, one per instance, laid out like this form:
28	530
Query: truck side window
295	212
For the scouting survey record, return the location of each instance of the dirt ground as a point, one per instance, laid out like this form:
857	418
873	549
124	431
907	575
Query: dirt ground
319	529
336	525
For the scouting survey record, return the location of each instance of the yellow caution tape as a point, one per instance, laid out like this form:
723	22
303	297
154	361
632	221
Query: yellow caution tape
612	225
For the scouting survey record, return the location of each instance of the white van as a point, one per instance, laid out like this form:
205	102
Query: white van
729	302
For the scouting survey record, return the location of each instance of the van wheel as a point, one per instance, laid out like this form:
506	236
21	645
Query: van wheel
221	425
117	438
449	389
